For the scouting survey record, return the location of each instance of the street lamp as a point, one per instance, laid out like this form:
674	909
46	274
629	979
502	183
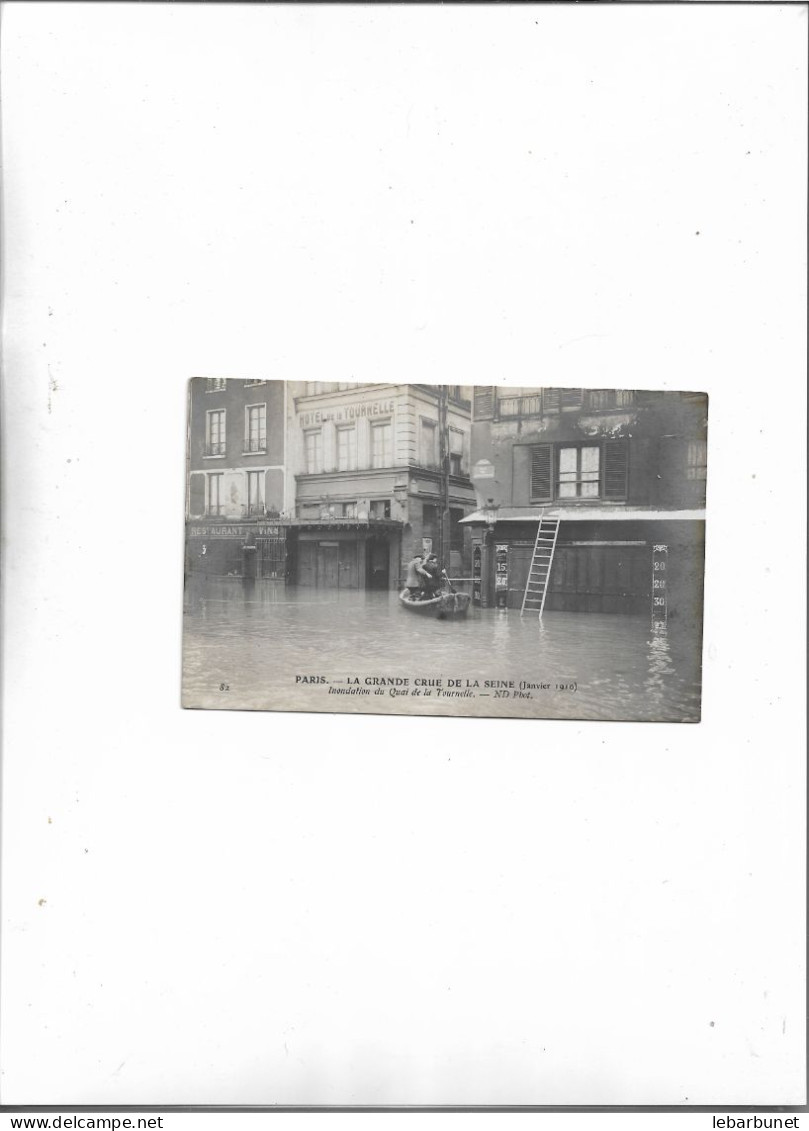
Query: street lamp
490	514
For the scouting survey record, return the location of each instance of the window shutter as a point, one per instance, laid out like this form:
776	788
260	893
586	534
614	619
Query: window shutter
550	400
196	504
541	472
484	402
571	398
616	463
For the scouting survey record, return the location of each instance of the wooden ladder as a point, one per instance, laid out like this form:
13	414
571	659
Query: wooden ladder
539	573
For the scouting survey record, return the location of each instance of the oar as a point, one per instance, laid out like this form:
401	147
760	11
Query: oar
452	588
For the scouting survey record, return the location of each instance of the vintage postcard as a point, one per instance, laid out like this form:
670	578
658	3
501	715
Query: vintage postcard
444	550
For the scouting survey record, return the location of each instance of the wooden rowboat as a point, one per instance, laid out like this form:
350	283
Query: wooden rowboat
442	606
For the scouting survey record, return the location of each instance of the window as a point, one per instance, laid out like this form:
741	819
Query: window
608	398
519	406
600	398
346	510
579	472
313	443
454	464
250	384
255	492
255	427
380	508
347	448
214	384
428	447
315	388
215	493
381	445
215	433
697	463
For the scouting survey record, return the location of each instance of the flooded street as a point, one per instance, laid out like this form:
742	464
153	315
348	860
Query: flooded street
264	646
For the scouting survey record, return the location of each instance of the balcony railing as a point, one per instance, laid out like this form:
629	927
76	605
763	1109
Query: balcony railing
552	401
255	444
215	448
519	406
364	518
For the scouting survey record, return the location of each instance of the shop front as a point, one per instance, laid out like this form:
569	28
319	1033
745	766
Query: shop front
346	556
598	567
244	549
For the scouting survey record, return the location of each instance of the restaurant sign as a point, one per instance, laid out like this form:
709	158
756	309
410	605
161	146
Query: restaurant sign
345	414
235	530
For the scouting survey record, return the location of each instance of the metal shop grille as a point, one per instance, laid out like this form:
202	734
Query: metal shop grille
271	557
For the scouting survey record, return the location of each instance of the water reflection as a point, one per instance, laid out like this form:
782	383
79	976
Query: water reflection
257	636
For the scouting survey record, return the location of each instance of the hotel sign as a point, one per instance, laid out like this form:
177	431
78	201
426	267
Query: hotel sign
345	414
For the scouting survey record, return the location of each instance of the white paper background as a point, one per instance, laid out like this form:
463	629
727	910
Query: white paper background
247	908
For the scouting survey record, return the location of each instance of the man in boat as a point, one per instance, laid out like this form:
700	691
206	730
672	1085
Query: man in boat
417	576
432	583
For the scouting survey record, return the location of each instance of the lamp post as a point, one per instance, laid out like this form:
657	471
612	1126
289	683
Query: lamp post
489	511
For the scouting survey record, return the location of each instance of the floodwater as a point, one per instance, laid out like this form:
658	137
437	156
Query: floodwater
259	645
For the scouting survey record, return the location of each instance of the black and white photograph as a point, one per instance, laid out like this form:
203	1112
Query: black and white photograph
445	549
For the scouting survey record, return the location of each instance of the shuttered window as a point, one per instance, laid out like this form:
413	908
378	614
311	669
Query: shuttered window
554	400
484	402
616	466
550	400
541	472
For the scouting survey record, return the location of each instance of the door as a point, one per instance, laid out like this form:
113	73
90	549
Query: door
378	565
347	566
328	565
307	563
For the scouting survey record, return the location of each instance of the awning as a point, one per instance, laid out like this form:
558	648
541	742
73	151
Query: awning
587	514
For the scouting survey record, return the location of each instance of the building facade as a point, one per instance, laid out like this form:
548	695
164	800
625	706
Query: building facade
624	472
239	487
381	471
327	485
